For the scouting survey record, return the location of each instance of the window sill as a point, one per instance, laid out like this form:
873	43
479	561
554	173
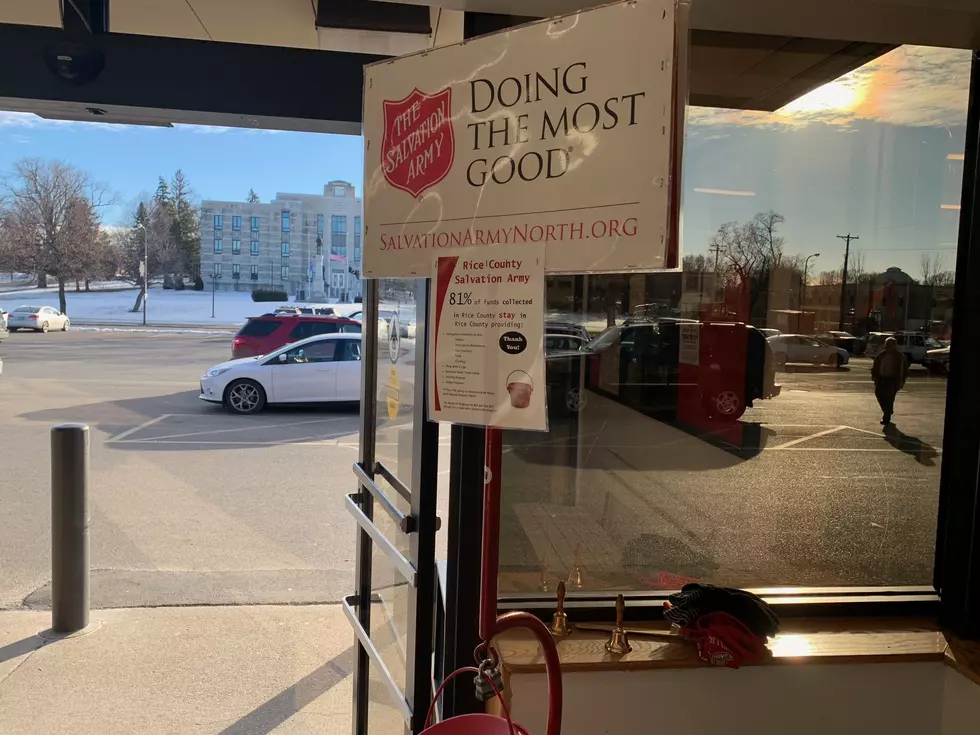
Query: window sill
838	641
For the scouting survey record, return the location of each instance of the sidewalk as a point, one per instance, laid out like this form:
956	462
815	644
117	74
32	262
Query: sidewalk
245	670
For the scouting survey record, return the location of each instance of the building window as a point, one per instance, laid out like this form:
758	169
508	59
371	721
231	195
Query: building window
236	271
236	222
357	253
254	274
218	219
217	270
319	245
255	247
284	272
340	191
285	220
236	247
319	224
217	245
284	252
255	224
338	235
357	238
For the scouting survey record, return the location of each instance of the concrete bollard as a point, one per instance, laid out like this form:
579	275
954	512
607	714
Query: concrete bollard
69	528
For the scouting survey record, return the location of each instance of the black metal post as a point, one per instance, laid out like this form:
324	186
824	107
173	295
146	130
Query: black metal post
957	568
366	457
69	528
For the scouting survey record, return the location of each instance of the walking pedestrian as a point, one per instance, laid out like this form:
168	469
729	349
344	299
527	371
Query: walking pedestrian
888	373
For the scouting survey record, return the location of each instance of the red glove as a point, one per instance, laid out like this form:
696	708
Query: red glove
724	640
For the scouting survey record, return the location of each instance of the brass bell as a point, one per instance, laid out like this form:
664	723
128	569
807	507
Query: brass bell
619	642
559	621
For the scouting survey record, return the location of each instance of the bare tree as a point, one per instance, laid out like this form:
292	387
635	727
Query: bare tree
830	278
934	271
51	217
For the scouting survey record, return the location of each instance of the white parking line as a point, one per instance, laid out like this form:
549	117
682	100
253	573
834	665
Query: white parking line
806	438
128	432
237	428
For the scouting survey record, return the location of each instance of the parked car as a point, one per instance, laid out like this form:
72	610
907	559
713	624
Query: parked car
639	365
844	340
38	319
321	369
567	328
874	342
263	334
938	360
767	333
914	345
563	342
799	348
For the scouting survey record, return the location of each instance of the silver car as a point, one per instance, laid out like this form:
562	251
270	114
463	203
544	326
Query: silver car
38	319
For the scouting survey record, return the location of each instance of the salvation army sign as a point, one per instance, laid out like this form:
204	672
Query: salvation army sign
418	142
557	132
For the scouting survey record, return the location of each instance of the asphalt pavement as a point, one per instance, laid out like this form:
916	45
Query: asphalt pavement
191	505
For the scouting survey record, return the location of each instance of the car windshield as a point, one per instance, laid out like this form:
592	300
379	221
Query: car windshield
27	310
932	343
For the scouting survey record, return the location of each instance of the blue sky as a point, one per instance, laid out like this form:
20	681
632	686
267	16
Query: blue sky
221	163
877	153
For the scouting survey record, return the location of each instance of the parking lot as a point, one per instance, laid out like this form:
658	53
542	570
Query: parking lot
190	504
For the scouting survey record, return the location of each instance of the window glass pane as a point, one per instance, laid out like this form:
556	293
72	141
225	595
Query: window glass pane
759	459
217	245
285	249
255	224
255	247
285	220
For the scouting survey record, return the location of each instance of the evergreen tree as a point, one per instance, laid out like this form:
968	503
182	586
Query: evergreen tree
253	198
186	227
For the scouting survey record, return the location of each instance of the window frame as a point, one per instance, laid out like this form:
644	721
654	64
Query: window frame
253	273
236	246
253	248
219	245
255	224
236	222
284	249
285	220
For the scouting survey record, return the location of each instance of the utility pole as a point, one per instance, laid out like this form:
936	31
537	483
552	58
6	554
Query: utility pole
716	249
843	285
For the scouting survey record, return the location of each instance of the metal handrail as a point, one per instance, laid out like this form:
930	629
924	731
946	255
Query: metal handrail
405	523
397	559
397	696
400	487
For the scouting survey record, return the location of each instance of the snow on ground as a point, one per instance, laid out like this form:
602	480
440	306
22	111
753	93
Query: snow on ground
164	308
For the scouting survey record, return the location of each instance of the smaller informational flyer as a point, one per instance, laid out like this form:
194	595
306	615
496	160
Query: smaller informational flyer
486	360
690	347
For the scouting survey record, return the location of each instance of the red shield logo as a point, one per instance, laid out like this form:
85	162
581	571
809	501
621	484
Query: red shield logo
418	148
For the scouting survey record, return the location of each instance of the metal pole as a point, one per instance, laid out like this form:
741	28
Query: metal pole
146	274
69	528
214	283
843	284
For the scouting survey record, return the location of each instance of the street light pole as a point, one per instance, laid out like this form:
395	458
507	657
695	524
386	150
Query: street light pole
214	284
146	272
806	266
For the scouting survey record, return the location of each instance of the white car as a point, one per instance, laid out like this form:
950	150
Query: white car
38	319
321	369
800	348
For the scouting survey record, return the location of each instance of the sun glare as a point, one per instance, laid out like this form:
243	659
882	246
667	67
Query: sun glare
834	96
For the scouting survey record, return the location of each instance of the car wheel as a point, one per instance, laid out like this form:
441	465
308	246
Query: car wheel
725	404
840	361
244	396
64	327
575	400
44	327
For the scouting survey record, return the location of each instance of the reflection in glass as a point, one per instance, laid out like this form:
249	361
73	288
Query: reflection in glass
720	423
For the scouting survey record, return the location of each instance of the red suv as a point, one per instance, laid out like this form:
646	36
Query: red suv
263	334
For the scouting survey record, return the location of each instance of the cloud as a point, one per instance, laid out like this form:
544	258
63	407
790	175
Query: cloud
914	86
